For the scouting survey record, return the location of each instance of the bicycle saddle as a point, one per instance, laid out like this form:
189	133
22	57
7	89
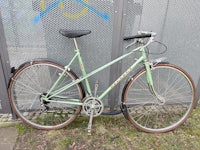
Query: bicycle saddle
74	33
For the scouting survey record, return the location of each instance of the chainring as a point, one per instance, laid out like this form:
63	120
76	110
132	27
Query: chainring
92	104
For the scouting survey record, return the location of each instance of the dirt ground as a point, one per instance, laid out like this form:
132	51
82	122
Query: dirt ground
109	133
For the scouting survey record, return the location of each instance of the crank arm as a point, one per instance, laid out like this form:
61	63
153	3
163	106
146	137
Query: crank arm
90	123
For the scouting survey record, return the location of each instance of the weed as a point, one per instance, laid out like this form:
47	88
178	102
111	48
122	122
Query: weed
23	129
63	143
111	133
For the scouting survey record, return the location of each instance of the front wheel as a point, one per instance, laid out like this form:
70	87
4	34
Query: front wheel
164	109
32	81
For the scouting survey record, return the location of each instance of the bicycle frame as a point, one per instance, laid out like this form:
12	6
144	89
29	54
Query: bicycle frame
85	76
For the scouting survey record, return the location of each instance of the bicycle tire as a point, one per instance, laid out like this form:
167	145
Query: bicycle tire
146	112
35	78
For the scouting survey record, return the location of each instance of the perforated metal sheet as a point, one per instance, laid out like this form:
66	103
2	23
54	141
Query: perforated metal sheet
175	21
177	25
32	27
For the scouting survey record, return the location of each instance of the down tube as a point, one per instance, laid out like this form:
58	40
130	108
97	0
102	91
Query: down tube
121	78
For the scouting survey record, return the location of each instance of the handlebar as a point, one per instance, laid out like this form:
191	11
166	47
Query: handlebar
141	34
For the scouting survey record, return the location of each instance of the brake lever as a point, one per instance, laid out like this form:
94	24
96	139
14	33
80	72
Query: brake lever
134	42
147	32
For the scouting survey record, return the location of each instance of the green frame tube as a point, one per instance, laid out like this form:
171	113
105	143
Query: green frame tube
85	76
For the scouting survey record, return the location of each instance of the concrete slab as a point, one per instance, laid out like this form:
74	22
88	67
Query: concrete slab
8	137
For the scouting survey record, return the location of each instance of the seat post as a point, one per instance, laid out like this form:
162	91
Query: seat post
75	43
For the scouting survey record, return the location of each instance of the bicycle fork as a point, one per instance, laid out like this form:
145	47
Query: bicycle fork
149	67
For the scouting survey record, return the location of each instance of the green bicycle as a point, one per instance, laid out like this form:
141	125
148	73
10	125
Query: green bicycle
158	98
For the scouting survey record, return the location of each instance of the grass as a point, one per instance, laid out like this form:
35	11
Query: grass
110	133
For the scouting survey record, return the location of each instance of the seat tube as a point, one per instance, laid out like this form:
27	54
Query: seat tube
82	67
75	43
84	74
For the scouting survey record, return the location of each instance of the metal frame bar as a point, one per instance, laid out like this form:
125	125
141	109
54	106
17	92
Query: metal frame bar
198	93
5	72
117	49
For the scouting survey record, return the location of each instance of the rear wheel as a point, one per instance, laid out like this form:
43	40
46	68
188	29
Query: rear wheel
31	82
167	107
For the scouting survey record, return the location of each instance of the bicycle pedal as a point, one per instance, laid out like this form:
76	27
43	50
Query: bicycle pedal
89	132
124	110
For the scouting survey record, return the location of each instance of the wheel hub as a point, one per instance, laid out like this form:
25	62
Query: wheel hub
43	104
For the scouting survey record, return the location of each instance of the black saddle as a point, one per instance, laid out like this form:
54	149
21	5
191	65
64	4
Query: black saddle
74	33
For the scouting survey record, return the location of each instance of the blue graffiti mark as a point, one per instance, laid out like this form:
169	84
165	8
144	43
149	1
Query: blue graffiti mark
43	13
105	16
37	18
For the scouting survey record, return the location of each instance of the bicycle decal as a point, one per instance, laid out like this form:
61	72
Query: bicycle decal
60	4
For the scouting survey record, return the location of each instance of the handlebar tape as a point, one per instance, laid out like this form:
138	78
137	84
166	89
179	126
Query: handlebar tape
137	36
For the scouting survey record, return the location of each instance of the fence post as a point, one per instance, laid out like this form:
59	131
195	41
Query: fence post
117	49
4	72
198	92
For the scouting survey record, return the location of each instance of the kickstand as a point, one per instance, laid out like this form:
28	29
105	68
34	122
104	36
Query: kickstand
90	123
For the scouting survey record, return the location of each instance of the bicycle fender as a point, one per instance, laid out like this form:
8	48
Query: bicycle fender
37	59
14	70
